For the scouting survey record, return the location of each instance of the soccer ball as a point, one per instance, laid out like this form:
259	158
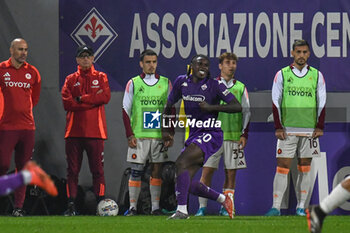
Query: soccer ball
107	207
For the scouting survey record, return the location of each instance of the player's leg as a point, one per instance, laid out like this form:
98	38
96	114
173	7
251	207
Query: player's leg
23	153
307	149
137	171
39	178
280	184
155	185
74	156
303	184
94	150
285	152
187	164
229	189
208	170
207	175
234	158
158	156
31	174
316	214
8	183
137	157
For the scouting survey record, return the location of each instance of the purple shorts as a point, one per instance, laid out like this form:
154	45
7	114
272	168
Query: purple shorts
209	142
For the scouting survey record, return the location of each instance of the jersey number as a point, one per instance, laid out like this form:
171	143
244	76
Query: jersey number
313	143
238	153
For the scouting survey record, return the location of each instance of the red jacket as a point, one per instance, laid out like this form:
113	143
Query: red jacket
19	93
86	118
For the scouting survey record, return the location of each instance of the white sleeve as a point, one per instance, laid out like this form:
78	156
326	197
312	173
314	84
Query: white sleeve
277	91
128	97
245	109
321	93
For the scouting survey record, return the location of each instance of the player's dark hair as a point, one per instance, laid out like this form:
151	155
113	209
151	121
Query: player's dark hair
300	43
228	56
189	70
147	52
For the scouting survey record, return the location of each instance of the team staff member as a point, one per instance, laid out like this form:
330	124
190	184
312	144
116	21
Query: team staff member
84	94
299	98
235	129
20	85
144	98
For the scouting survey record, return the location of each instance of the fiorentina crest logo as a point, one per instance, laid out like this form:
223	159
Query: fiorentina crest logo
94	30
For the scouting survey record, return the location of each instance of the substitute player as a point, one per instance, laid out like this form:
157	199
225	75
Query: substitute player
20	85
235	129
144	98
201	96
299	98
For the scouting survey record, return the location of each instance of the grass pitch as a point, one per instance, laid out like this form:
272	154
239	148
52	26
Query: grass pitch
241	224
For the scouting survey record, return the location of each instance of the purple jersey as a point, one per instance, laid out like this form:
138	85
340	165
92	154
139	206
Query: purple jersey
208	90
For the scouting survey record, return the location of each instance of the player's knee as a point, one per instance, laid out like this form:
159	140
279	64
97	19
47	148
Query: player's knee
181	163
137	170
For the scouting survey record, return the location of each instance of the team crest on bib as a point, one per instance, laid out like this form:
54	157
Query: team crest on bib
28	76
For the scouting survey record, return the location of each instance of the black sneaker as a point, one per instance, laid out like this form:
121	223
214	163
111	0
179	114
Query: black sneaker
178	215
130	212
18	212
315	217
71	211
157	212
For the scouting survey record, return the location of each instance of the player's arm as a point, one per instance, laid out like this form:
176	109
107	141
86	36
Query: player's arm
246	119
232	105
277	90
321	104
36	88
127	111
102	96
70	102
169	112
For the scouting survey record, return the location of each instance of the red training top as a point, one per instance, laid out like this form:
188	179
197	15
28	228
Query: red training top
86	118
19	93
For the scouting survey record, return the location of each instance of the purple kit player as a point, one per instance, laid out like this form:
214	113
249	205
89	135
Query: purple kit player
201	96
31	174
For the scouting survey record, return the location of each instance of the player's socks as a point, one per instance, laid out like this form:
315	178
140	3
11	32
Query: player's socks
182	186
337	197
280	183
182	209
203	202
134	191
155	188
200	189
303	185
8	183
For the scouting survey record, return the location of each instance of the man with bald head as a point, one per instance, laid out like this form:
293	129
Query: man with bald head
20	85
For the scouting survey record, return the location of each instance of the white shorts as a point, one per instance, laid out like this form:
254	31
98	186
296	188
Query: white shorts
302	147
234	157
148	149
